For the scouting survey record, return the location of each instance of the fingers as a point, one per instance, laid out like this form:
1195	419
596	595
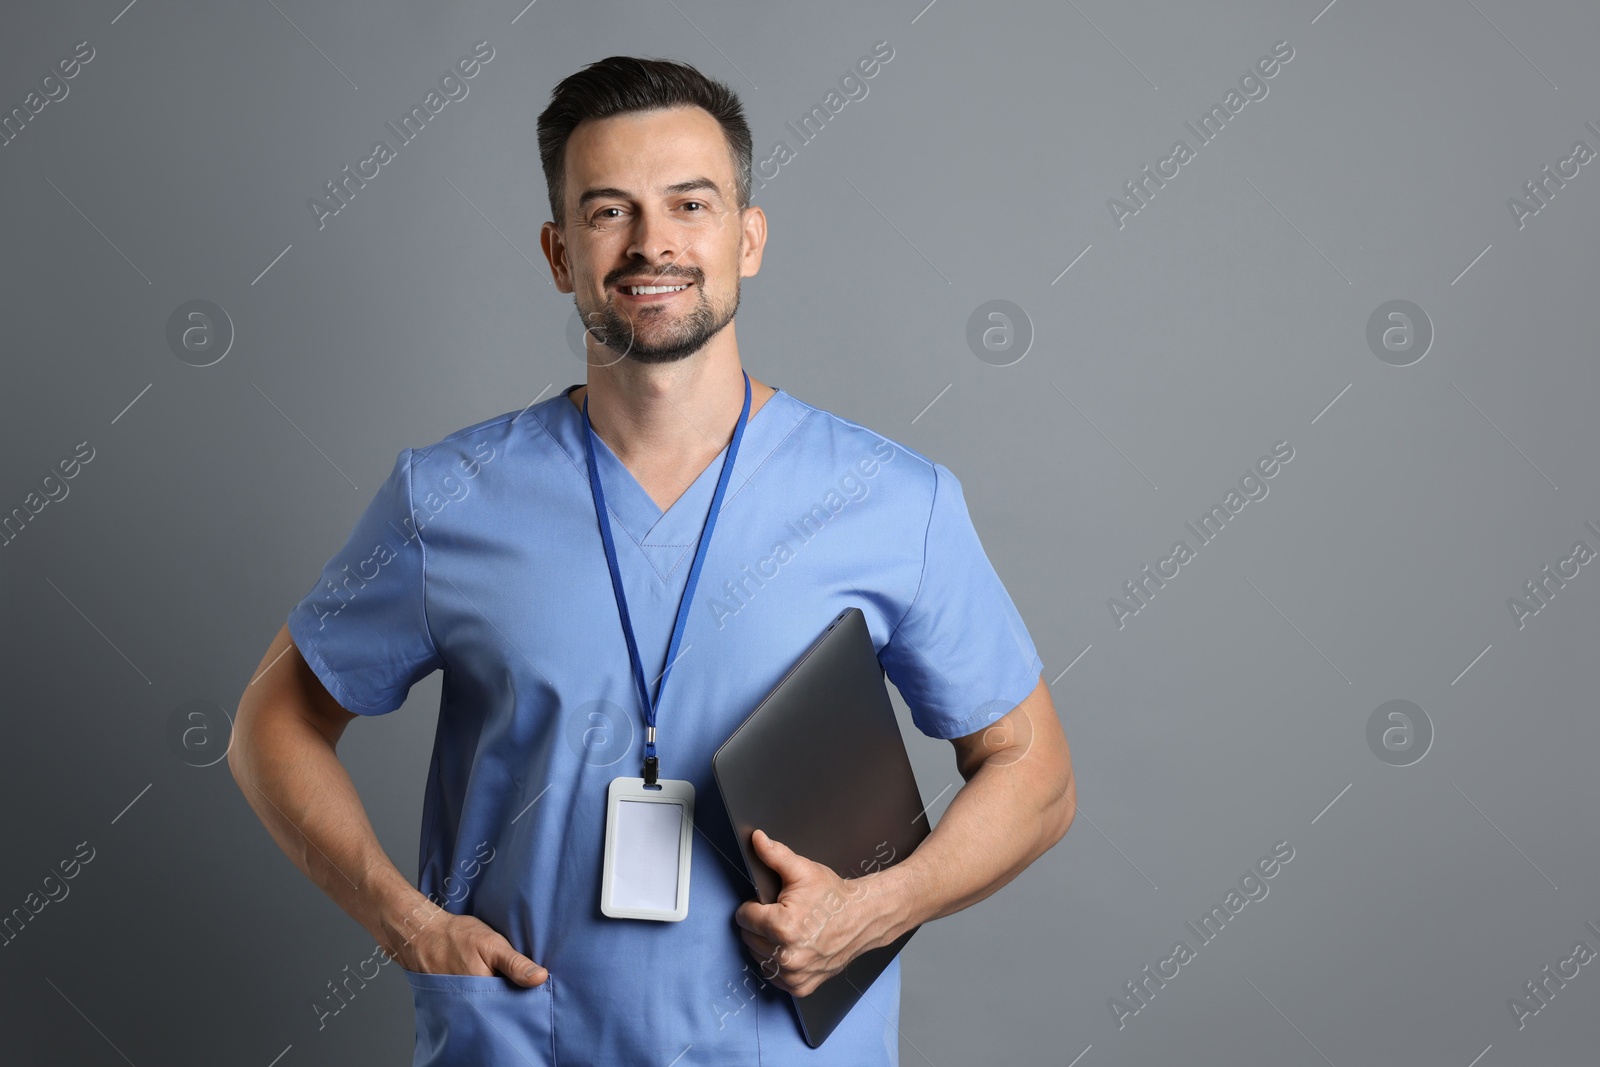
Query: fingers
781	966
751	915
770	959
520	968
759	928
759	931
760	945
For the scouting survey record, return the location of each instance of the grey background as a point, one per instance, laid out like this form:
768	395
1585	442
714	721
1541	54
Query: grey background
1227	315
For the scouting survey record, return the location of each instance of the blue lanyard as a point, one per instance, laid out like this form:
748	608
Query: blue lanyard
651	765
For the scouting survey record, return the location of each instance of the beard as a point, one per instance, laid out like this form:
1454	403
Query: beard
659	339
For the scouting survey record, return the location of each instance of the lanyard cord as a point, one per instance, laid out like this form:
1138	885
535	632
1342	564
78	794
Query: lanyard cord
651	764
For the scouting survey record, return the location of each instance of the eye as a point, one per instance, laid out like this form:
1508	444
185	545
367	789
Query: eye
695	203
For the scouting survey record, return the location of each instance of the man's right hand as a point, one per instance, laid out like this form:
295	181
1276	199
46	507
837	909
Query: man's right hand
447	944
283	755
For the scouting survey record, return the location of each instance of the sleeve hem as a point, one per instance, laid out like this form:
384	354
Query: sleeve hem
330	678
947	729
411	516
922	574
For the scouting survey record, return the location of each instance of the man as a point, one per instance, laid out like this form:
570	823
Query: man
486	555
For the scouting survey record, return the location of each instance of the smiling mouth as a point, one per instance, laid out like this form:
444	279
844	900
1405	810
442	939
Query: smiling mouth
652	290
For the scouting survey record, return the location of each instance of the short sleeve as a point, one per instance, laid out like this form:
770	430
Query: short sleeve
961	656
363	627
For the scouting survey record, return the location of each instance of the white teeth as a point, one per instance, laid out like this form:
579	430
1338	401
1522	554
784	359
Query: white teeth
650	290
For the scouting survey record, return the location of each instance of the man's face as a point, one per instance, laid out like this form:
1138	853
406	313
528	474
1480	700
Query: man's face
653	243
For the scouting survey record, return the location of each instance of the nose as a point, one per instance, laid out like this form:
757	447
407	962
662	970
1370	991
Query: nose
654	240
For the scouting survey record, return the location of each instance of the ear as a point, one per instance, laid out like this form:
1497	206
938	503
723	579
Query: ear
555	250
752	241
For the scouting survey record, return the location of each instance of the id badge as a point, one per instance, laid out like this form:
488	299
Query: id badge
648	837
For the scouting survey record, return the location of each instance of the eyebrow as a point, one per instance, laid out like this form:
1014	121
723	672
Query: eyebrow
611	192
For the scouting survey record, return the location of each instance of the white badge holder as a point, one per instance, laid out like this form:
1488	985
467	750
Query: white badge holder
649	834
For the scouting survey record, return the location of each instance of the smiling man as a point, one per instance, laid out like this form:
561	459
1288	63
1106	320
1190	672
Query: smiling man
559	593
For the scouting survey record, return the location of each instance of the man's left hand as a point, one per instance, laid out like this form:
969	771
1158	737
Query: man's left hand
819	923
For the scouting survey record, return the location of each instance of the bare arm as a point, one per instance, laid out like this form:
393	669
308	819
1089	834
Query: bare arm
1019	800
283	755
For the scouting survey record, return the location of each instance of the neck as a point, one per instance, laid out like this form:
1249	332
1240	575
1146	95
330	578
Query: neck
663	415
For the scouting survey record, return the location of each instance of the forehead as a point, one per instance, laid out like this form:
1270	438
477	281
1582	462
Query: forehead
643	151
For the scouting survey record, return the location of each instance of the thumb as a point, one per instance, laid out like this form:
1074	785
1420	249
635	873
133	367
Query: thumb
779	856
520	968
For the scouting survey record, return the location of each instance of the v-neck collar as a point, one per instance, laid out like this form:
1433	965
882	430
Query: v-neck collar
667	538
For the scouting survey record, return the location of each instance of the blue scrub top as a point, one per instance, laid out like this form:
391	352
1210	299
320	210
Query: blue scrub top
481	556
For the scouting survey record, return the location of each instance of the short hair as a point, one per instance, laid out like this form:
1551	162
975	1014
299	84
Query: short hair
618	85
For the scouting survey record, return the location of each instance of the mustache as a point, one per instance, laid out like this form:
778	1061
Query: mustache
665	272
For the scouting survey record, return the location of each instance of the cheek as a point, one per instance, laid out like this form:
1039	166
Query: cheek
722	239
592	280
713	284
592	256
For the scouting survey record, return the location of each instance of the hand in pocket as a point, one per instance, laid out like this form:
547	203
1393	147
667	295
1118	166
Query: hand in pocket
466	945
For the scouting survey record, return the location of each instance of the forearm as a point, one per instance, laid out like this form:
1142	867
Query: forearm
1005	817
295	782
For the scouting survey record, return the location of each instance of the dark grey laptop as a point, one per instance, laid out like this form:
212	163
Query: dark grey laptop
821	767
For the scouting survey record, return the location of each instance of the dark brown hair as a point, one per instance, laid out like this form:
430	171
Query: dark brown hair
621	84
